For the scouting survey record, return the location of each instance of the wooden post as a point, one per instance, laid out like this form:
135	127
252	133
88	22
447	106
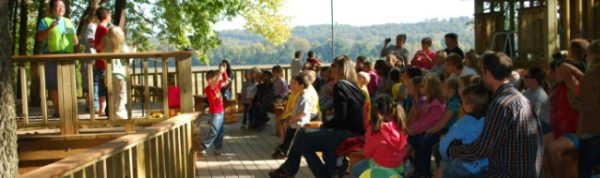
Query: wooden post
184	74
42	77
578	23
67	97
109	90
90	84
566	22
24	102
140	160
165	85
551	28
129	81
589	19
191	155
146	76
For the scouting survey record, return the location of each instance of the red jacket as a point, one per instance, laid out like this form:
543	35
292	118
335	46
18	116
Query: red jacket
386	148
563	118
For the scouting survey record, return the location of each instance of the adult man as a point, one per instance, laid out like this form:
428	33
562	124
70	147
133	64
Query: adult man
398	49
451	40
511	137
296	63
58	34
456	68
103	15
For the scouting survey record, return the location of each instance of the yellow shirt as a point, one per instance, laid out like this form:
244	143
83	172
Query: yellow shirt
314	98
367	105
396	91
290	105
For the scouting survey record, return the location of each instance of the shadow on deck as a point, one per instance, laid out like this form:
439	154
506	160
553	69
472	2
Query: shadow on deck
245	154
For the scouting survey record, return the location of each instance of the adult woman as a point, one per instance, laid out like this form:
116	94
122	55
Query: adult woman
347	121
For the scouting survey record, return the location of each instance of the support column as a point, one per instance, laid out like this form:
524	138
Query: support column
551	27
184	76
565	18
67	97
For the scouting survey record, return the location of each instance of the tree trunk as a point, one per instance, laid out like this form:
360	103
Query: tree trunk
34	98
14	7
8	127
120	7
87	17
23	29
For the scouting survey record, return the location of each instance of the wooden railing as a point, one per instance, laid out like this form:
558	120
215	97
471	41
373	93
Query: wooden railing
69	121
162	150
199	79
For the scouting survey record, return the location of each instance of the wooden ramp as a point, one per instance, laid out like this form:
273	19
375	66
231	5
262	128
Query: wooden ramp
245	154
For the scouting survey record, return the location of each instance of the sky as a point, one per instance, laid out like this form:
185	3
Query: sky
364	12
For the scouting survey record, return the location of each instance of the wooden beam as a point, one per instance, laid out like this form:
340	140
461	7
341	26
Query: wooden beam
128	88
67	98
184	74
589	19
23	87
109	89
165	85
566	22
551	28
42	77
90	95
577	31
93	57
146	77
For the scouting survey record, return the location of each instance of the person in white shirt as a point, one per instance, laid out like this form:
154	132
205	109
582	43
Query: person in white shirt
456	68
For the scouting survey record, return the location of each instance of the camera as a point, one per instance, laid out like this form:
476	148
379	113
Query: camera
387	40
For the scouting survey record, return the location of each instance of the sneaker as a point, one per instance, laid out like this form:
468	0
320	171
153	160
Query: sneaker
278	154
278	173
218	152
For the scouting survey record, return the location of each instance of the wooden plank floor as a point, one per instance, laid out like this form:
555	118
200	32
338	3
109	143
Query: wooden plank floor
245	154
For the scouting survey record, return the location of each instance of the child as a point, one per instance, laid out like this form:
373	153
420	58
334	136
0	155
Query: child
261	102
215	109
363	81
311	76
299	116
325	92
424	58
440	61
248	82
429	109
394	75
404	97
466	130
115	43
450	91
251	94
385	138
279	84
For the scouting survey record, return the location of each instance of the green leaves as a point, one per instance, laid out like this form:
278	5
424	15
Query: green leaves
188	23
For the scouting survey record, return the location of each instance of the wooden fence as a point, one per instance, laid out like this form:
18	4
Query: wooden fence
69	121
161	150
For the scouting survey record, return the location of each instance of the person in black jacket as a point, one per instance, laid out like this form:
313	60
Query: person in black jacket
347	121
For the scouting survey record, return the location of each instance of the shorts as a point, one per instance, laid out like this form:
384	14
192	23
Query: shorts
51	76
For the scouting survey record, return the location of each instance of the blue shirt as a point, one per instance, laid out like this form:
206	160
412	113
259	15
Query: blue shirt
467	130
453	105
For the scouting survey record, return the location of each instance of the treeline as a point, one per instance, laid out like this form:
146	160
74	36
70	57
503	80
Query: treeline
244	48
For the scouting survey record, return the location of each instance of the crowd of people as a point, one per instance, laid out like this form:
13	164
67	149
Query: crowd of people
477	115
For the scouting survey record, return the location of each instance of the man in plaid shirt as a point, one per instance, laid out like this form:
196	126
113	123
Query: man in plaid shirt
511	136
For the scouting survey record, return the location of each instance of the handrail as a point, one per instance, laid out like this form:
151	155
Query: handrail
175	135
89	57
67	85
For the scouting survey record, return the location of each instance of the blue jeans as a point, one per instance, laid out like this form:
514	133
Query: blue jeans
359	168
455	168
589	156
99	86
307	142
215	136
423	145
246	116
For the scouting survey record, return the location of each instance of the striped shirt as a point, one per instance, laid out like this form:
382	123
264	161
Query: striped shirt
511	137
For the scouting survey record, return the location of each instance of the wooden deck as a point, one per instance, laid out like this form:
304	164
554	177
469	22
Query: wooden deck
245	154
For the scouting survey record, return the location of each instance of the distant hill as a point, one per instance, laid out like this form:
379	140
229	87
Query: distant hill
243	47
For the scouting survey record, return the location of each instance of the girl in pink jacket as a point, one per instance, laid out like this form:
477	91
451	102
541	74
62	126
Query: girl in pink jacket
385	137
